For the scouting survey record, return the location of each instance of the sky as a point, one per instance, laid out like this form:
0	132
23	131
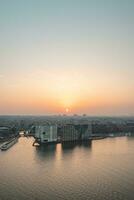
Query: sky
72	56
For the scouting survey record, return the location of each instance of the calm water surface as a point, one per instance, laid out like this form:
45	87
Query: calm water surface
101	170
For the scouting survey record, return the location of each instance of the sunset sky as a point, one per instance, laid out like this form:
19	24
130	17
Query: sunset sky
74	56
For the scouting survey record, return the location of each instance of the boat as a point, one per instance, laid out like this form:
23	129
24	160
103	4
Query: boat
8	144
99	137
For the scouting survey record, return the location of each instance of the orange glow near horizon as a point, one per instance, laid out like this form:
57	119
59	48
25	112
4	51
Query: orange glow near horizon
64	94
41	105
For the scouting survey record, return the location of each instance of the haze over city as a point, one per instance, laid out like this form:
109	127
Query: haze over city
67	57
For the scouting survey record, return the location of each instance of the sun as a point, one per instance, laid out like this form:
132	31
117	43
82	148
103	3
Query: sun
67	110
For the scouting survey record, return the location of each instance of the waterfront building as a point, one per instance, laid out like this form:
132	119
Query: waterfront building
46	133
84	131
69	133
75	132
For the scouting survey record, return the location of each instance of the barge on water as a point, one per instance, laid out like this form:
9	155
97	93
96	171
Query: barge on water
8	144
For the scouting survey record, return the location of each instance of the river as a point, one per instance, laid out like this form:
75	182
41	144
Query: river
100	170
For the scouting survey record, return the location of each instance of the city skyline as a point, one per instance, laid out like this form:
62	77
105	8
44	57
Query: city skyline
66	57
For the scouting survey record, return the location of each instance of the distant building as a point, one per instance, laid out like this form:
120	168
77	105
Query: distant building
46	133
7	132
4	131
84	115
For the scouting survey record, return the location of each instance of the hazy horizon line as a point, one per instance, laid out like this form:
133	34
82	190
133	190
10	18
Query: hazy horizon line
67	115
